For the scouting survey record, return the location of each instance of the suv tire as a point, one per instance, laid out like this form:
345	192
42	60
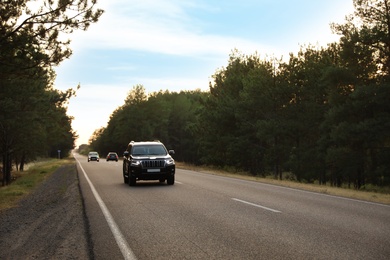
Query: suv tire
171	180
125	179
132	180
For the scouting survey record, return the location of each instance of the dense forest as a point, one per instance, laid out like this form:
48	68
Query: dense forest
33	119
323	116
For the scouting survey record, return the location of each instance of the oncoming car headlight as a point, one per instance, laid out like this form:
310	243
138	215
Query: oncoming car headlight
135	163
169	161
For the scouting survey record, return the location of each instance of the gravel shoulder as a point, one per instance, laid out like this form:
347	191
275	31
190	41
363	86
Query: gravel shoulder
49	223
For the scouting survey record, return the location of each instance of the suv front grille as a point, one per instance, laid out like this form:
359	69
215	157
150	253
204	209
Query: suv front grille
153	164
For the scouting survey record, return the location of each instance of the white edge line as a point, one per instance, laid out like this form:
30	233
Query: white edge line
256	205
119	238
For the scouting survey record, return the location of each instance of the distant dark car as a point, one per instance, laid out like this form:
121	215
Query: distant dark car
148	161
93	156
112	156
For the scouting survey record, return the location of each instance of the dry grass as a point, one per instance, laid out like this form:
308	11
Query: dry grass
27	180
325	189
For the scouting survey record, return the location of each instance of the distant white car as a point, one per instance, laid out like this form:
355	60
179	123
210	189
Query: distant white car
93	156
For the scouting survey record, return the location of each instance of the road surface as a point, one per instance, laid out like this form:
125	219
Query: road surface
205	216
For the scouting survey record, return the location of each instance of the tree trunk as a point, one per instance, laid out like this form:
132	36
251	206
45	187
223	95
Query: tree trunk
22	162
6	168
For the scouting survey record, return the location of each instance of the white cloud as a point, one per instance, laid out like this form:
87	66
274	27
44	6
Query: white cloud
159	27
121	68
171	84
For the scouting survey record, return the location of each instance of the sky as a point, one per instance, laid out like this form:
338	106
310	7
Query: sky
179	45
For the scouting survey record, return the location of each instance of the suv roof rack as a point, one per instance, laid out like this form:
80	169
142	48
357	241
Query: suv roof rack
158	141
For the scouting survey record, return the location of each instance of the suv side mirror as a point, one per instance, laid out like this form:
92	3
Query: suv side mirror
171	152
126	154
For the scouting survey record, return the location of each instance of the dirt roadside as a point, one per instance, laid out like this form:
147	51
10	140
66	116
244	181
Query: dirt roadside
49	223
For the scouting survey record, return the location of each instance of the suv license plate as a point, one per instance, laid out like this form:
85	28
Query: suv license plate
153	170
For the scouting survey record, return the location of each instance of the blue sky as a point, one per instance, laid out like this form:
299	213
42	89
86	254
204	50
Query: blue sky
179	44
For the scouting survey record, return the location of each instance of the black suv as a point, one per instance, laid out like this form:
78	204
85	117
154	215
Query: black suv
148	161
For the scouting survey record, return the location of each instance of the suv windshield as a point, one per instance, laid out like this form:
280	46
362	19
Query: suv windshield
148	150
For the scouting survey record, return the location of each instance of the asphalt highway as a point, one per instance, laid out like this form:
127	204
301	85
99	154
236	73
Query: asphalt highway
206	216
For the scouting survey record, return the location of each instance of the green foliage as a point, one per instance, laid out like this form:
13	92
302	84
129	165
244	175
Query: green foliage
33	120
168	117
358	134
365	39
33	33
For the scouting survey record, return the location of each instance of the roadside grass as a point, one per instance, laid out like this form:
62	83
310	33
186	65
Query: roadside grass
381	196
26	181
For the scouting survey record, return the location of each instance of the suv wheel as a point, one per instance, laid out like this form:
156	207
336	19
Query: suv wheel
171	180
132	180
125	179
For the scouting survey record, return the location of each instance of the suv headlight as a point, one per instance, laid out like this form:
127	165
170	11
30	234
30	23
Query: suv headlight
135	163
169	161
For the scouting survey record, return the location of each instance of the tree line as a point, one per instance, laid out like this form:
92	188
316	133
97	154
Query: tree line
33	119
322	116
